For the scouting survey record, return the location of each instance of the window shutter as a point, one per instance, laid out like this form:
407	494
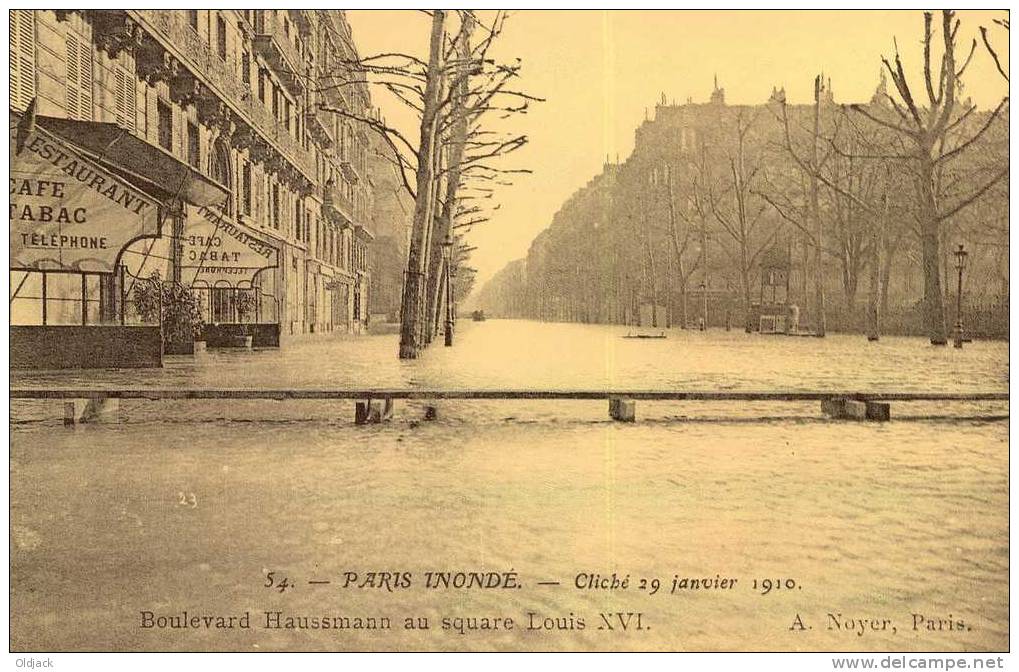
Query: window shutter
125	99
22	58
85	68
73	77
79	78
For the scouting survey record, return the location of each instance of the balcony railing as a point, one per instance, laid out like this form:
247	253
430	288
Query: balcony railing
279	50
336	198
183	42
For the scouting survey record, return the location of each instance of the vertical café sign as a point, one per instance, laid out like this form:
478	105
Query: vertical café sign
68	213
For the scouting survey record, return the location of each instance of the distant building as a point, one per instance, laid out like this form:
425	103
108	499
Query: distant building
392	217
608	254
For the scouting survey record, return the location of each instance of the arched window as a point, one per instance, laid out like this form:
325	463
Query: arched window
220	170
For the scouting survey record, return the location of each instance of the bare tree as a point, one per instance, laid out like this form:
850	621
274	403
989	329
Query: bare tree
927	128
739	209
452	161
683	223
1004	23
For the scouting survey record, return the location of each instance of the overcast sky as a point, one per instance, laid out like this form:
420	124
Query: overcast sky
600	71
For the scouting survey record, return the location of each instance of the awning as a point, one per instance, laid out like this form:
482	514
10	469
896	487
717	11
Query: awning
68	212
149	167
216	252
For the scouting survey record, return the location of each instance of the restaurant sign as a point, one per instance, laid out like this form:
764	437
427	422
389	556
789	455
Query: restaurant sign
67	213
215	252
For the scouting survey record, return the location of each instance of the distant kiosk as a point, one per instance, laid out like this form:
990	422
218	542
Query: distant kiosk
773	314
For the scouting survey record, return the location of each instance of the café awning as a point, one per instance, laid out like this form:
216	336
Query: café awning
82	192
149	167
217	252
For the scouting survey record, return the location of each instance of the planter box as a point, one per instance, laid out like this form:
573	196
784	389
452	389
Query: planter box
179	348
234	335
88	347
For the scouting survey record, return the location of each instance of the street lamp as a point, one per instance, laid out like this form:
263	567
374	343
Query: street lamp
447	255
704	305
960	264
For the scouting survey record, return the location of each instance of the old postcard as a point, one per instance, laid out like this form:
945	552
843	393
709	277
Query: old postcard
509	330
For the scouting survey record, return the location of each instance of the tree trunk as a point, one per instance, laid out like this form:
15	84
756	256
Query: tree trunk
805	272
873	276
815	212
888	253
933	296
454	157
417	258
748	322
683	304
433	242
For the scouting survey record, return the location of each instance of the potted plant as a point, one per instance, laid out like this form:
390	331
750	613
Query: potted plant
245	301
174	306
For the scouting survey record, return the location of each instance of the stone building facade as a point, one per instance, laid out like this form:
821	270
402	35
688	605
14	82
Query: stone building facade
237	96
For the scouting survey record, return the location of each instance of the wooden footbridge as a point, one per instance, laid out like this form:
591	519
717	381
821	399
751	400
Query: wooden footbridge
87	404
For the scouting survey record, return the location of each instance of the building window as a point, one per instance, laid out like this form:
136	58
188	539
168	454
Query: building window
194	158
221	37
79	77
22	57
246	188
220	170
193	19
246	69
276	206
262	75
297	220
165	125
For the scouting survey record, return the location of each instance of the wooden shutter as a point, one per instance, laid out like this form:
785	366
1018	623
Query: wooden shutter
22	57
127	106
79	77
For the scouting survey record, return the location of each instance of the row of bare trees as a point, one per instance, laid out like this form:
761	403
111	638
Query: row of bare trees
854	188
461	97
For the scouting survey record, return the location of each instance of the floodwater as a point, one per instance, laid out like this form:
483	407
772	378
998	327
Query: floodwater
879	536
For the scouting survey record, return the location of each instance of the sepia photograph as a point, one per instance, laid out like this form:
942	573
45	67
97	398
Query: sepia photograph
510	330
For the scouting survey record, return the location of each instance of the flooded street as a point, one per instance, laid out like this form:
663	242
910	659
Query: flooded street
900	526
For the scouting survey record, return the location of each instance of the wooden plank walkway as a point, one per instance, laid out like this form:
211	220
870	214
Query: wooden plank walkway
436	394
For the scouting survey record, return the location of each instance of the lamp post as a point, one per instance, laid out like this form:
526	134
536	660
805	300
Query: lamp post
960	264
447	256
704	305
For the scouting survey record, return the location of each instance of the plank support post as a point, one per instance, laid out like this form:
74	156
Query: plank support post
840	408
93	409
622	410
431	412
834	407
878	411
373	411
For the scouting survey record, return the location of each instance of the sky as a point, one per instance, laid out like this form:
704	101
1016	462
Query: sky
601	71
